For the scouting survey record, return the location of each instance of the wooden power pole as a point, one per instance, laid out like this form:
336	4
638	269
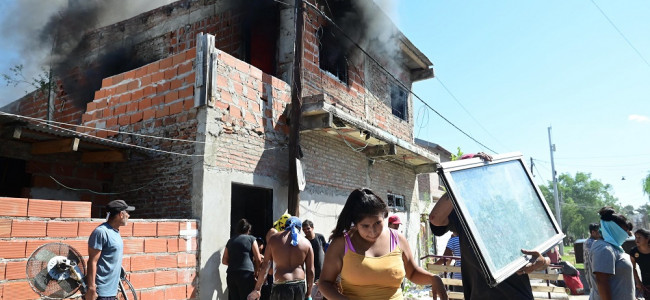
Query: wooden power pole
294	132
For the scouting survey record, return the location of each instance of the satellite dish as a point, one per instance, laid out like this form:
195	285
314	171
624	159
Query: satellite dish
301	176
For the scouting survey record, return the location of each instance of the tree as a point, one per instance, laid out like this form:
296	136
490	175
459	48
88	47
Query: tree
646	186
581	197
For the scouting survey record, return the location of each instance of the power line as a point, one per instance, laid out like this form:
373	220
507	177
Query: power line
621	33
467	111
391	75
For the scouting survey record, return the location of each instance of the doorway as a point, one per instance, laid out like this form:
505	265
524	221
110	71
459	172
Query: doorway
255	204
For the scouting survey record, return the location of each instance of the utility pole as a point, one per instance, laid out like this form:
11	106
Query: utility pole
293	200
558	211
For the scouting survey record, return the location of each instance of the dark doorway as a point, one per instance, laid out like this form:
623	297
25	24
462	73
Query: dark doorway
253	203
13	178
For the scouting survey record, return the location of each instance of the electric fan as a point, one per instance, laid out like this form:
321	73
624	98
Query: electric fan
55	271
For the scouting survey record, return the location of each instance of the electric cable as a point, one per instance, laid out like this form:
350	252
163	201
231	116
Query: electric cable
393	76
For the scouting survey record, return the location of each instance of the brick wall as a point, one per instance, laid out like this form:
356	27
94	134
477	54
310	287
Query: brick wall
366	95
154	100
251	132
161	262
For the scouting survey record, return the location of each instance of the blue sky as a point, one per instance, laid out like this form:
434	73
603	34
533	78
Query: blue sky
518	67
514	67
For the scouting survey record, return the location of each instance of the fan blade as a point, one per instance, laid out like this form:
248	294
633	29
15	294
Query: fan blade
72	255
69	286
41	280
44	255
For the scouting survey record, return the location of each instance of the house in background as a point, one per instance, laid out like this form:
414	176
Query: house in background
183	111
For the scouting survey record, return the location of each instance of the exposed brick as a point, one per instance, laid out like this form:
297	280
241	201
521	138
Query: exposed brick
175	84
106	82
166	277
12	249
3	266
171	96
188	104
166	63
132	107
22	228
155	245
170	73
186	275
144	262
44	208
100	94
178	58
75	209
5	228
162	87
13	207
142	280
124	120
144	104
18	290
86	228
172	245
79	245
129	75
91	106
182	244
191	291
148	114
168	228
34	244
144	228
126	264
119	110
186	92
186	260
176	292
126	98
162	112
176	108
136	117
62	229
184	68
166	261
153	67
133	246
126	230
16	270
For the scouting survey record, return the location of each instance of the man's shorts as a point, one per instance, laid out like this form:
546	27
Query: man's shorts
288	290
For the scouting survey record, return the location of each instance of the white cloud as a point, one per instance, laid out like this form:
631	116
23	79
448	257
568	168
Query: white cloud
638	118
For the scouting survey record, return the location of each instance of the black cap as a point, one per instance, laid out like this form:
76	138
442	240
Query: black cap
119	205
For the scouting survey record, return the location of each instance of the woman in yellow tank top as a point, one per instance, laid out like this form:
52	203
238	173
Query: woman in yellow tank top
371	259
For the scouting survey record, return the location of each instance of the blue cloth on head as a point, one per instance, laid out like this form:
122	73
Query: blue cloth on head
293	224
613	234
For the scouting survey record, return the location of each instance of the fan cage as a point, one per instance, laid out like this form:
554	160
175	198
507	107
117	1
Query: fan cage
40	281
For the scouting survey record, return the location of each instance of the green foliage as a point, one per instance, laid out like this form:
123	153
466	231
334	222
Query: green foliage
581	197
458	154
40	82
646	186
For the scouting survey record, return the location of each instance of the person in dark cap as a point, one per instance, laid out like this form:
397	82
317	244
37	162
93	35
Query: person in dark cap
294	262
105	249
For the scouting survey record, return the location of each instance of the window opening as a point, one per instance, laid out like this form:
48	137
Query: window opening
331	55
396	202
399	102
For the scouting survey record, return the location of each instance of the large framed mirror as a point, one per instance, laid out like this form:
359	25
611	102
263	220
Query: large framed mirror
501	210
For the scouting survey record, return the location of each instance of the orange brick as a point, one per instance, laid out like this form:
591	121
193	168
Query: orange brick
75	209
168	228
126	230
44	208
144	228
186	276
34	244
166	63
175	292
3	266
166	277
16	270
176	108
18	290
166	261
136	117
62	229
172	245
182	244
186	92
144	262
171	96
79	245
191	291
5	227
21	228
186	260
126	264
13	207
156	294
86	228
149	113
142	280
12	249
155	245
133	246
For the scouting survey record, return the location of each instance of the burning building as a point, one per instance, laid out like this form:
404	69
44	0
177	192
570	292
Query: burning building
184	111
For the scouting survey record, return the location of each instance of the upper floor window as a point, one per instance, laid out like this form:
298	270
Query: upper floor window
399	101
396	202
331	54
